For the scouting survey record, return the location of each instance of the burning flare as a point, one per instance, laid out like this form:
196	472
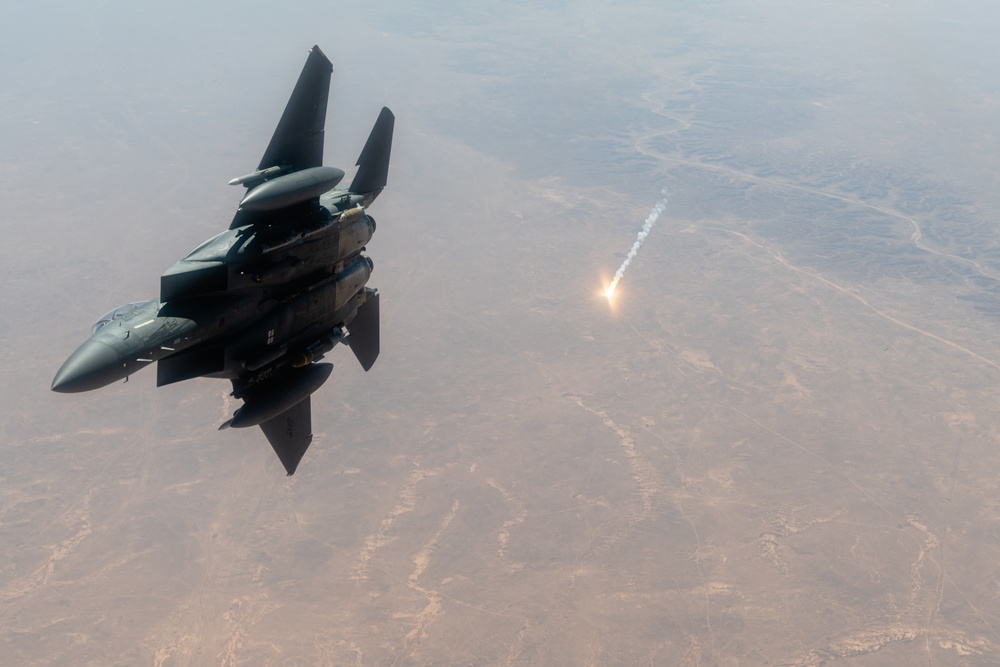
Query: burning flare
643	233
610	292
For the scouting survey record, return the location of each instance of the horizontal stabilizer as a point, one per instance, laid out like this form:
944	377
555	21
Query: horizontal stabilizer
193	363
364	338
373	164
290	434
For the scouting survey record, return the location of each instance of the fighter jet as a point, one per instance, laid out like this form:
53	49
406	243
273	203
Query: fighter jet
261	303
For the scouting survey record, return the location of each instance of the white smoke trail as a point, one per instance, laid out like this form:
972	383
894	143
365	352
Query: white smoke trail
647	226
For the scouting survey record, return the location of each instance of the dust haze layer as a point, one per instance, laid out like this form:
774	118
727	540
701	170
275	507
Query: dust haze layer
780	447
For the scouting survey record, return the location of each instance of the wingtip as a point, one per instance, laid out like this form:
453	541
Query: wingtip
316	52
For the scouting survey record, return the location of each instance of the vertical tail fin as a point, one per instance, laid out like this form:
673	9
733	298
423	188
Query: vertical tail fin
373	163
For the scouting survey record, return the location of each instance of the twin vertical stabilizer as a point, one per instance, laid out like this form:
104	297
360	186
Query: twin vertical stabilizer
373	163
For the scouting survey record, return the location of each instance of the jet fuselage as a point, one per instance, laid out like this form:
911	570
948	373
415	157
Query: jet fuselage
253	298
261	302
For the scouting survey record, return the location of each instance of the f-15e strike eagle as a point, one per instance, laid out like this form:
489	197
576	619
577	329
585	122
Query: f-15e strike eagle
262	302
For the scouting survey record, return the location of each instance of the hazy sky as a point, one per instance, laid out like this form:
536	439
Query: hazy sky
778	446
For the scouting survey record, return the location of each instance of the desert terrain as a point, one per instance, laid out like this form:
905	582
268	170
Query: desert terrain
777	445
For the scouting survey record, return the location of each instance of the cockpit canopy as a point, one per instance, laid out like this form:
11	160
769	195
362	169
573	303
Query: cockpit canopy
119	313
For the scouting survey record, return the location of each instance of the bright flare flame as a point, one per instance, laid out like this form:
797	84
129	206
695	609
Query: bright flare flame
610	292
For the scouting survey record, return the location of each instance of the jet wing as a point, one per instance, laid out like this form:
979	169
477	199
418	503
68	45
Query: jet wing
298	140
290	434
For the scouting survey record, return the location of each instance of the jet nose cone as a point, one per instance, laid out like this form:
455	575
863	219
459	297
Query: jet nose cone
93	365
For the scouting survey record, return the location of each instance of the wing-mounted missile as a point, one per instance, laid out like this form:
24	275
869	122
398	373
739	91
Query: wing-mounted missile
256	178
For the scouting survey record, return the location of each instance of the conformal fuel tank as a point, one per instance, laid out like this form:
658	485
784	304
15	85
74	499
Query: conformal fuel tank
291	189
